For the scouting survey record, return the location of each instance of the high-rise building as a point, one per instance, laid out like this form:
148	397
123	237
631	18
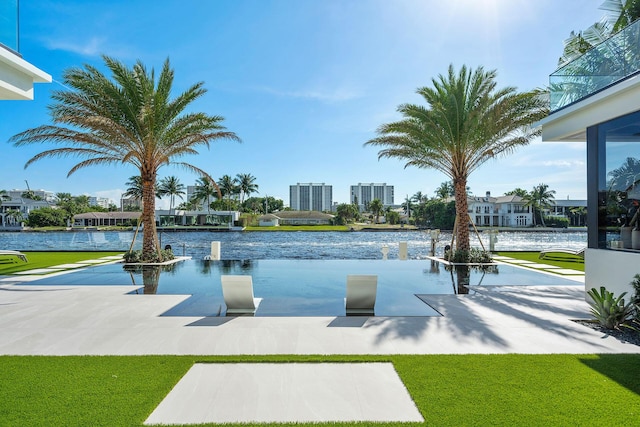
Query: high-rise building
311	197
363	194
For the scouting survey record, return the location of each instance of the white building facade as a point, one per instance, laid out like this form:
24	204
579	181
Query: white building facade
362	194
311	197
503	211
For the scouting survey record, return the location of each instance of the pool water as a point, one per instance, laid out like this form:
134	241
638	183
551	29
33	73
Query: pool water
300	287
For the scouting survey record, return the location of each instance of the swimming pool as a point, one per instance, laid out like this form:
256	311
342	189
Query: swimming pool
299	287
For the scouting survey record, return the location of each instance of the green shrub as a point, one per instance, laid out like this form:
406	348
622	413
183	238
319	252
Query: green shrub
609	311
136	256
556	221
472	256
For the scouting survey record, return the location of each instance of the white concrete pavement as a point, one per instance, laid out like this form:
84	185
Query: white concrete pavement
105	320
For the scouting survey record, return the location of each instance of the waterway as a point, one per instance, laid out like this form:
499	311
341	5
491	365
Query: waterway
288	245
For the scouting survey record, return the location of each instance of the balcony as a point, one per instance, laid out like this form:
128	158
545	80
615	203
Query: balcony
604	65
9	26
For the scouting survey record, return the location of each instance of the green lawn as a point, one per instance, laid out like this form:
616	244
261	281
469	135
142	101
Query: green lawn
449	390
557	259
48	259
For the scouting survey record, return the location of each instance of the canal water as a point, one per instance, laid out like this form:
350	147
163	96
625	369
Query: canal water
288	245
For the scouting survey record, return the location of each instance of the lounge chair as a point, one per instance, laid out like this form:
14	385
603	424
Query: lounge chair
578	252
238	294
361	295
16	254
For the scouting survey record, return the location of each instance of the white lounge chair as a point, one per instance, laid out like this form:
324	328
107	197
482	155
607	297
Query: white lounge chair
361	295
238	294
16	254
578	252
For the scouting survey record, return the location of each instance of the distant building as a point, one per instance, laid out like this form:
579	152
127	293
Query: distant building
15	211
130	204
103	202
503	211
47	196
363	194
295	218
310	197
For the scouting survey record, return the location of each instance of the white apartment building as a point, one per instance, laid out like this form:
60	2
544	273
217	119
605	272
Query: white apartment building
103	202
363	194
311	197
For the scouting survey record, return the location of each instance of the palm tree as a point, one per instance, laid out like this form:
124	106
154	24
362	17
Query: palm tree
172	187
539	199
376	207
466	122
206	188
129	117
228	187
419	198
135	188
520	192
444	190
247	184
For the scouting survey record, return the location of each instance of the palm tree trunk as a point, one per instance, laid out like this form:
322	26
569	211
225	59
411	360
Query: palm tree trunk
462	210
149	234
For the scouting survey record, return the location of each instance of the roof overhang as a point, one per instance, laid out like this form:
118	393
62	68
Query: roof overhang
17	77
571	122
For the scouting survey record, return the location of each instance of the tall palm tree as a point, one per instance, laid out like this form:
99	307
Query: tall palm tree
444	190
247	185
206	188
228	187
539	199
128	117
376	207
135	188
466	122
172	187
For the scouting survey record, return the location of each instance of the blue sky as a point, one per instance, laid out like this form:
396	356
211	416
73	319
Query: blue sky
303	83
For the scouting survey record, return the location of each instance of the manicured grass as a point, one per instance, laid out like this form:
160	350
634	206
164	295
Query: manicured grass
449	390
300	228
49	259
559	259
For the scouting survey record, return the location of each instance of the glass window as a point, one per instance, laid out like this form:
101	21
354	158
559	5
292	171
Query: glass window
619	183
9	24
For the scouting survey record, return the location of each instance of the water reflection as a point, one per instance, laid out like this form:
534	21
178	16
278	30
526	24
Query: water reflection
150	276
461	276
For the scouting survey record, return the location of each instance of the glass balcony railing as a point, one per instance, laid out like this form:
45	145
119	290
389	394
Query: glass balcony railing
9	25
611	61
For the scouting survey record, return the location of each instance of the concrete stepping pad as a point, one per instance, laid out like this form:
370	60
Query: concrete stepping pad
287	392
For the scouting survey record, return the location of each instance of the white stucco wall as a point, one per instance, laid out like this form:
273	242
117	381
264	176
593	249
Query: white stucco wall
612	269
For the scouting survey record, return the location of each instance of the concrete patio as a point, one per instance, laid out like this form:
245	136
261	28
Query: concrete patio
108	320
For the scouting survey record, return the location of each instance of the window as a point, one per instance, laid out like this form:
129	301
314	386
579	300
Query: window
614	184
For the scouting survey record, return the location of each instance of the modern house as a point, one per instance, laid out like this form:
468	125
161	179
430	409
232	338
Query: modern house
221	219
295	218
363	194
596	98
17	76
310	197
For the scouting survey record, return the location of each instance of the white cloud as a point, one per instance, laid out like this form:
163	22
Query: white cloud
335	95
93	46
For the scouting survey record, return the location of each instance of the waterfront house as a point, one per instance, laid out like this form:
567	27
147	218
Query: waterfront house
296	218
15	211
222	219
105	219
502	211
596	99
